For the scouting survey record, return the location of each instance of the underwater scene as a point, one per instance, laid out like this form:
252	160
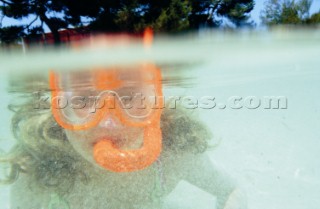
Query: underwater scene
202	120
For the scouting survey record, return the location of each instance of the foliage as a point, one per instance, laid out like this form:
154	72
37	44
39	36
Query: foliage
169	15
125	15
211	12
288	12
314	19
56	14
173	18
162	16
11	34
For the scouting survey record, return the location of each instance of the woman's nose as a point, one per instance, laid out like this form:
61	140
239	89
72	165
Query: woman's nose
109	122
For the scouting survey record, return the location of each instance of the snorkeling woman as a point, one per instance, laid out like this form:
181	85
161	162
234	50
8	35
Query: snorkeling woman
107	143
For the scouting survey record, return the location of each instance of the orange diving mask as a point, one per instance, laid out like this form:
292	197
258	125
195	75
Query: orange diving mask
80	101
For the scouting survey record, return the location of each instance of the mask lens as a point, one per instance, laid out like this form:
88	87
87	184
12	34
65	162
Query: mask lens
75	107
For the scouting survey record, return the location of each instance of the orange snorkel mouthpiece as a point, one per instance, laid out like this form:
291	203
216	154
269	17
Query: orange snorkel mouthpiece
112	158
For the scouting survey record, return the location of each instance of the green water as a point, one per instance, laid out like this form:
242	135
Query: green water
272	152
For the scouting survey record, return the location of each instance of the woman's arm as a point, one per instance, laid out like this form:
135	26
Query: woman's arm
200	171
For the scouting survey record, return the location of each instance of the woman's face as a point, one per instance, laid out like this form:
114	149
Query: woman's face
110	127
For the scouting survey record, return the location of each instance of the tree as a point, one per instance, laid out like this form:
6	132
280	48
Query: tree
314	19
56	14
172	18
11	34
126	15
288	12
135	16
171	15
209	12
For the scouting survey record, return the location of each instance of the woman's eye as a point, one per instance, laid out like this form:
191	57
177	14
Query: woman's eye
126	102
